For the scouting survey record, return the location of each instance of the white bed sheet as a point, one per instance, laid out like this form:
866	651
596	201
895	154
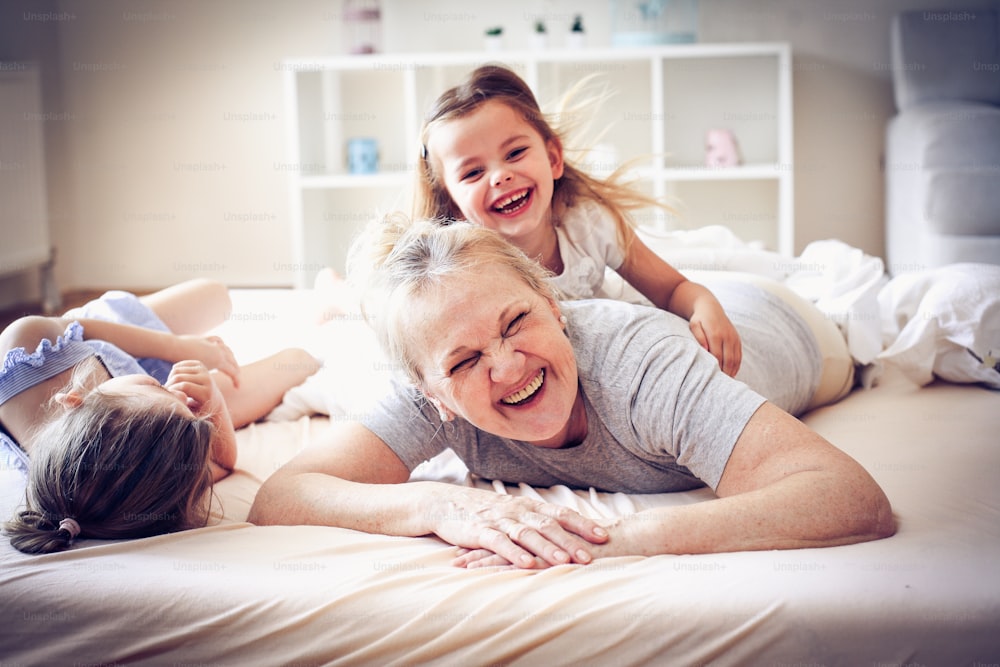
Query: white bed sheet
237	594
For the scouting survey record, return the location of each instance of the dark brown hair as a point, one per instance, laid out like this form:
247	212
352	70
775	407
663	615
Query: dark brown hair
119	469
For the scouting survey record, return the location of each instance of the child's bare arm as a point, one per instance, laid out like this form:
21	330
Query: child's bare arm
711	326
141	342
668	289
194	380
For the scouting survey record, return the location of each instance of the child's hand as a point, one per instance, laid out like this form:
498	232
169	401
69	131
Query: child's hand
193	379
716	333
213	352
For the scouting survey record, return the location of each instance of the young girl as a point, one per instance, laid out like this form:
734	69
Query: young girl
490	156
123	416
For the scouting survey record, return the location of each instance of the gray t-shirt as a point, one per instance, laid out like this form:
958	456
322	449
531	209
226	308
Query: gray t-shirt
661	415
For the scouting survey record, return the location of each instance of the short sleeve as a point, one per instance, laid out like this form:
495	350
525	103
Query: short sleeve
408	425
707	415
660	395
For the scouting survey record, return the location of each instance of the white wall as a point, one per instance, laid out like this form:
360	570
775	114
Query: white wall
842	101
165	140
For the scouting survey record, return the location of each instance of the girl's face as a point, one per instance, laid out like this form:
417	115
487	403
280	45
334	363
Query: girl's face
493	351
497	170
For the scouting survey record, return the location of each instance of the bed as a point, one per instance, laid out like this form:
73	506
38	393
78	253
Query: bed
237	594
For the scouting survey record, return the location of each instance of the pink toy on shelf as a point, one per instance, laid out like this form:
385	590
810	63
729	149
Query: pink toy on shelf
722	149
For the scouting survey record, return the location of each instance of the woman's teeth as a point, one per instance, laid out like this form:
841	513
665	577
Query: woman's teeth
512	203
526	393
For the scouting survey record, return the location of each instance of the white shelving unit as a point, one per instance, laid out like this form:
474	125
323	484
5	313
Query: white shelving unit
664	101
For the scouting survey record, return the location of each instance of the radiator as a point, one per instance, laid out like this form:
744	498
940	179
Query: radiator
24	224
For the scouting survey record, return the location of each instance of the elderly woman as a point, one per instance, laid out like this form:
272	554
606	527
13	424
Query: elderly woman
598	393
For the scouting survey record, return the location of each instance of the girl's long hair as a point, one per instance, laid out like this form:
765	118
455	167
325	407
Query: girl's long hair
118	469
496	82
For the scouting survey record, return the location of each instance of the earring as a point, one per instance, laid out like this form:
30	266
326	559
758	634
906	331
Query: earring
563	321
444	414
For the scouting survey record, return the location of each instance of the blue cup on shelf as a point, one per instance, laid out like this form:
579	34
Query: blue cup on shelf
362	155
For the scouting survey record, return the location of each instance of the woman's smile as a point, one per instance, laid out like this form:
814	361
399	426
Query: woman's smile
526	394
494	353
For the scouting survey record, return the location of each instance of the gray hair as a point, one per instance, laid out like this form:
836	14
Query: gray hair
397	260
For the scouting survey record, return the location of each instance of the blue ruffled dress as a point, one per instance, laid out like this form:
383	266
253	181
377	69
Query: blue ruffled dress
22	369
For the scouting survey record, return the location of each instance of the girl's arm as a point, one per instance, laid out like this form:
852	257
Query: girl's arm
784	487
668	289
28	332
354	480
141	342
194	380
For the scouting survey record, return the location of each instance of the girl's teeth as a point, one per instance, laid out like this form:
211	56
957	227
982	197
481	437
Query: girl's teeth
527	392
510	200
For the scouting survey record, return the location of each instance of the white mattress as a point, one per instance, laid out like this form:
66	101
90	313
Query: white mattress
237	594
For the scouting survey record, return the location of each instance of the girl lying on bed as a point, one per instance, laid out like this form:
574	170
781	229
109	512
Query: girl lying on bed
123	416
598	393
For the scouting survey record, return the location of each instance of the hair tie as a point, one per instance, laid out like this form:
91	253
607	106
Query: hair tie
70	526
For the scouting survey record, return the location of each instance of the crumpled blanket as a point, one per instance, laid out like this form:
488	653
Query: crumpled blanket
938	322
944	322
843	283
354	375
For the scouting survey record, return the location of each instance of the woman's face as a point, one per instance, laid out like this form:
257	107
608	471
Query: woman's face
493	351
498	170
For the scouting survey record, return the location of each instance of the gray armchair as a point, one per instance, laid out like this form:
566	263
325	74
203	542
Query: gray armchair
942	171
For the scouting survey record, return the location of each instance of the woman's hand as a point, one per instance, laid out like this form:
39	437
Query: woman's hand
524	532
211	351
620	541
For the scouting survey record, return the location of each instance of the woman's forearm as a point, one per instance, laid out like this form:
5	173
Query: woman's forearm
311	498
783	487
351	479
806	509
518	528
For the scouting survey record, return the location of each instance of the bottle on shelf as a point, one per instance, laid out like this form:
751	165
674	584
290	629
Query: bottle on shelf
363	26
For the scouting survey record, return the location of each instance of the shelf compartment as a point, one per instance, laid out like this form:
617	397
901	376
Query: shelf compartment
749	208
663	99
738	94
